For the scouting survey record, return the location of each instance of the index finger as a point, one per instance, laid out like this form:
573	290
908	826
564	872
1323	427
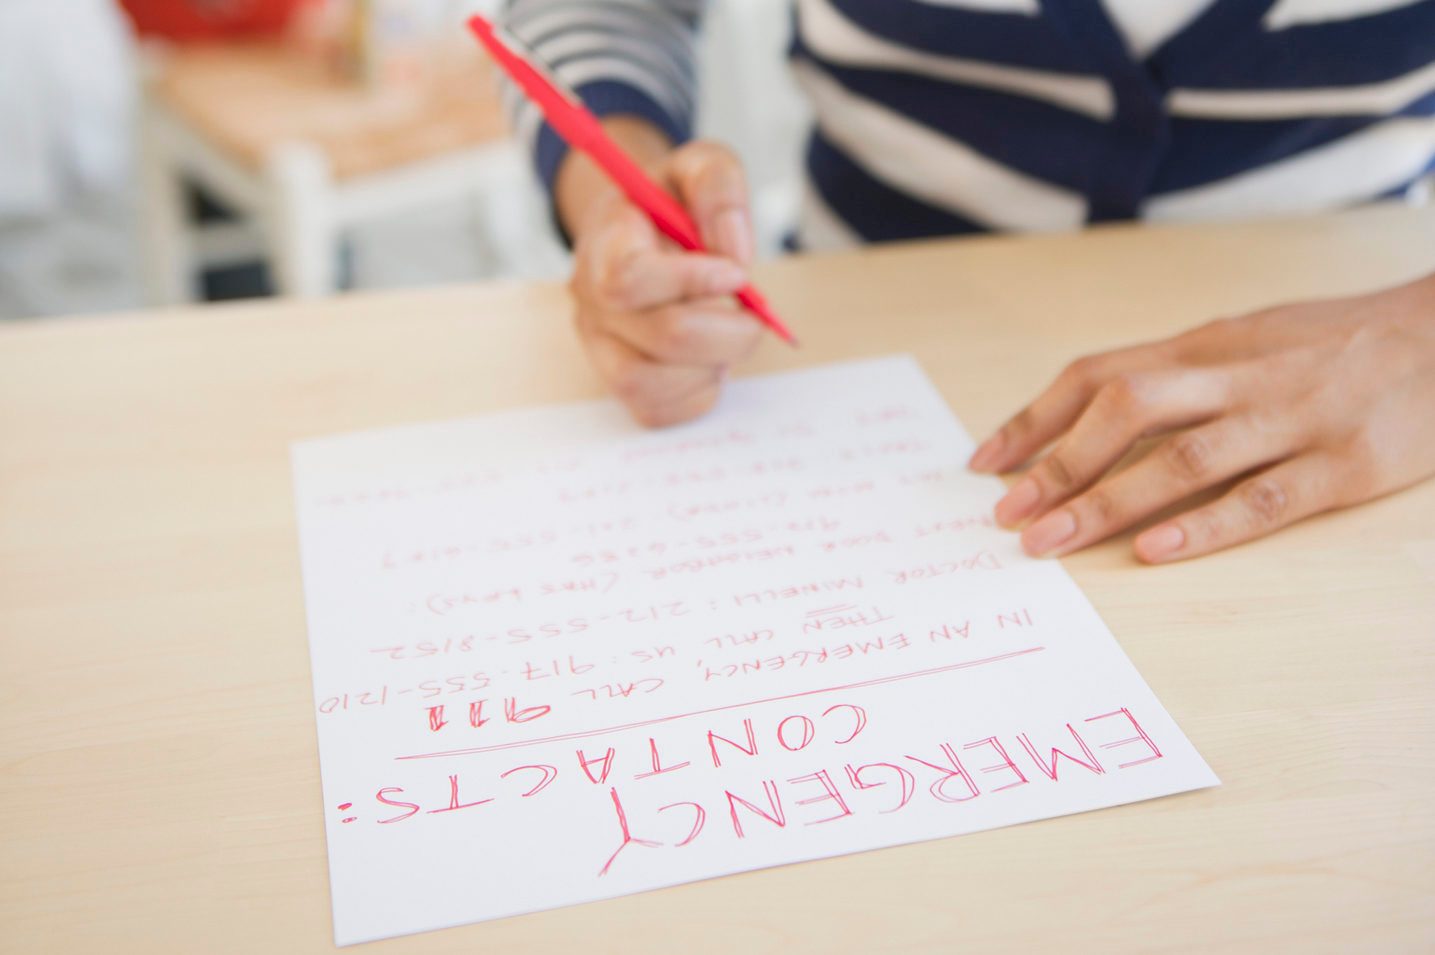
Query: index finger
1058	407
632	272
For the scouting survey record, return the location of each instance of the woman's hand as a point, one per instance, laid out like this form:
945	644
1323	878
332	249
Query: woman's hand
659	323
1307	407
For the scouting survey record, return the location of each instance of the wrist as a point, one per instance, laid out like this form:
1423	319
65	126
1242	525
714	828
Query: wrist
1414	303
581	187
1426	291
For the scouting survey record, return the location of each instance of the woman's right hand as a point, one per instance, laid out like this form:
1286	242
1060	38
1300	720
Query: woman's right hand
658	322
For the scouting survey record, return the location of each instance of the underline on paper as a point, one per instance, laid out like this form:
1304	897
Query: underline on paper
603	731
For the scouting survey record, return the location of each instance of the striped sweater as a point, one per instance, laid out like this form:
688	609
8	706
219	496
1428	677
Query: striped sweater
942	117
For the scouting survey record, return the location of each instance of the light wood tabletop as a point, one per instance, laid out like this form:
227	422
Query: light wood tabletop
249	99
159	784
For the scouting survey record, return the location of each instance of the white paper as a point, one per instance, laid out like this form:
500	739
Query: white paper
809	573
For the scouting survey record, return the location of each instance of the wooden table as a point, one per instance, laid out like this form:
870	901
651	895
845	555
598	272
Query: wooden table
301	155
247	99
160	785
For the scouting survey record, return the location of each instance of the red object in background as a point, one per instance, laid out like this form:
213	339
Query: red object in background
183	20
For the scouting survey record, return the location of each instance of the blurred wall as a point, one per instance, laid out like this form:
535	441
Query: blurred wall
750	101
67	93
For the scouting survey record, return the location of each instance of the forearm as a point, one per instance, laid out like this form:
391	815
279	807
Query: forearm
580	185
632	62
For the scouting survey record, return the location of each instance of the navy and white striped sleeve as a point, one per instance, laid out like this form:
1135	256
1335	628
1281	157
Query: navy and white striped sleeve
623	57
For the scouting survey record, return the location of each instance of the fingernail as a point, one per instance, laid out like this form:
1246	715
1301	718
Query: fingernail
1049	533
725	277
1019	502
1160	542
734	235
987	452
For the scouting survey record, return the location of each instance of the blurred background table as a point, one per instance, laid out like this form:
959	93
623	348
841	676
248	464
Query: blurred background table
158	765
284	142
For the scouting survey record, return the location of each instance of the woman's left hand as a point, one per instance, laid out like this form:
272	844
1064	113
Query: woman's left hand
1310	407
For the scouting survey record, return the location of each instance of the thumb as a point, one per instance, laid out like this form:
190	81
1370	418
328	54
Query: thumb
710	182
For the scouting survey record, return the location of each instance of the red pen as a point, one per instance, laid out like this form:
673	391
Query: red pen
579	128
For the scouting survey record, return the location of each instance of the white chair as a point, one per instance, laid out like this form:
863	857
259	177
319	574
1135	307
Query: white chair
302	156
